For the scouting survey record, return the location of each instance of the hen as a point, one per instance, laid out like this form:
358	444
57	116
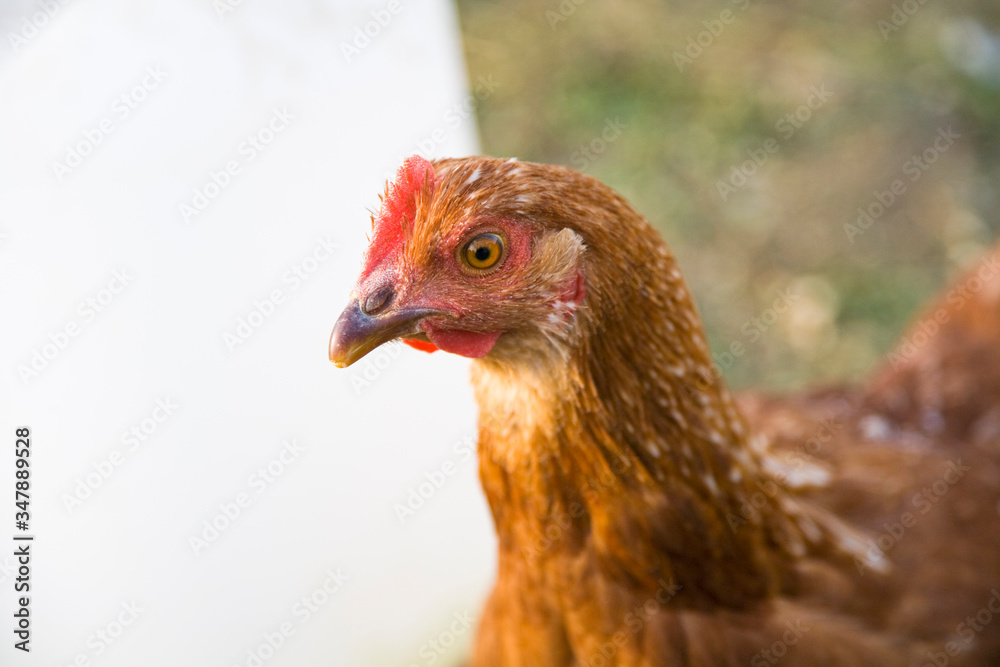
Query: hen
645	516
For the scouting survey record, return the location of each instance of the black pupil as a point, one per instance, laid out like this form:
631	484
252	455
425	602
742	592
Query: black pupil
483	253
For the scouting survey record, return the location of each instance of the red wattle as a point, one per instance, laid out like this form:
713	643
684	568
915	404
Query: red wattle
472	344
421	345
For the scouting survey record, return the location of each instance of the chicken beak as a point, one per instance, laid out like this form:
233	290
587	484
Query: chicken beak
356	333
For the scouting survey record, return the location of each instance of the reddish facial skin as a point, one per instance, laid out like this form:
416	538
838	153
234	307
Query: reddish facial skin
456	290
458	284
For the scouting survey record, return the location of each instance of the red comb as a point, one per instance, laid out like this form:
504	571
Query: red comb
399	206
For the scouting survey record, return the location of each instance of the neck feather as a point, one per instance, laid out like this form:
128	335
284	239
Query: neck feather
628	431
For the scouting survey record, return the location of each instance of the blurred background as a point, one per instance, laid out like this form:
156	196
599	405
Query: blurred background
184	198
698	88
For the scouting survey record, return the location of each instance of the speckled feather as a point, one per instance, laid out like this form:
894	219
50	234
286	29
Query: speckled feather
644	516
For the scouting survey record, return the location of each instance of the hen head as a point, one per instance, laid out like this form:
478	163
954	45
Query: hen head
472	256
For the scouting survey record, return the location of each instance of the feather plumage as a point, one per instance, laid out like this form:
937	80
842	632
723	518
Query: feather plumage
644	515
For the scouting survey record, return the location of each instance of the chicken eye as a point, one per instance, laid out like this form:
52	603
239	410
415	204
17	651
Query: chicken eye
484	251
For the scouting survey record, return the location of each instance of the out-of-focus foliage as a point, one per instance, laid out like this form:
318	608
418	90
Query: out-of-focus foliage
699	92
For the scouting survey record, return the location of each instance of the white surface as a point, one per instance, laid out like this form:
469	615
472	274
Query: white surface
162	336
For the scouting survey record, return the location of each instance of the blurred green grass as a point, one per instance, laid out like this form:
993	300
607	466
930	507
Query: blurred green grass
565	70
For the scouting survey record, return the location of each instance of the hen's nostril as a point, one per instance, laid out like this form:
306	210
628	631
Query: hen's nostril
377	301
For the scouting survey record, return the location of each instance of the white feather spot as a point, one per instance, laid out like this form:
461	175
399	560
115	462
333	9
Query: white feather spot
810	529
713	487
875	427
797	475
758	443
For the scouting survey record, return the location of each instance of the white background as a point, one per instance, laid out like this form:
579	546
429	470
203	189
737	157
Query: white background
364	442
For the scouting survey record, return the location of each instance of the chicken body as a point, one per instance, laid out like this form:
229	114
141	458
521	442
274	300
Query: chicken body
646	517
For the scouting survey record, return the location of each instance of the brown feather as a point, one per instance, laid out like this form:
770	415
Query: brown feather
646	517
